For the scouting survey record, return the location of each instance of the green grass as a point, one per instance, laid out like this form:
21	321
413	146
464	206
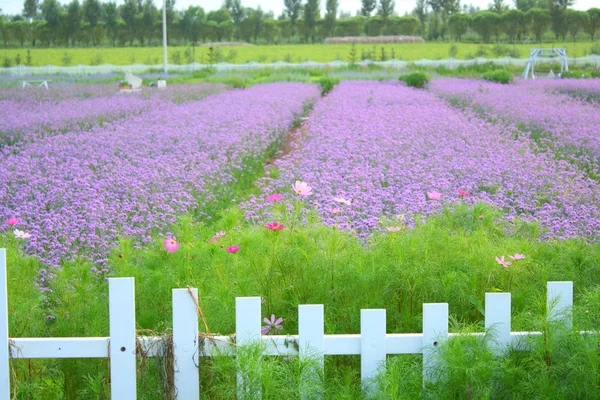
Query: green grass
272	53
450	258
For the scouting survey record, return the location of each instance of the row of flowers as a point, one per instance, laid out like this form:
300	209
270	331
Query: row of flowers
390	151
76	193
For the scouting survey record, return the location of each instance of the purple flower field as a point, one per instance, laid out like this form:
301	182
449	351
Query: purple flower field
394	150
26	115
76	193
566	124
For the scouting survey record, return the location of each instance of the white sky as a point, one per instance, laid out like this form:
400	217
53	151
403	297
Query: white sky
402	6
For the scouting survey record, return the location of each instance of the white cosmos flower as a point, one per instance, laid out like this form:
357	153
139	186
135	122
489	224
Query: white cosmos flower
342	200
21	235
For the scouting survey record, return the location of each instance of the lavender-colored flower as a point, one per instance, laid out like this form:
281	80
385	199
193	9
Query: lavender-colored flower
271	325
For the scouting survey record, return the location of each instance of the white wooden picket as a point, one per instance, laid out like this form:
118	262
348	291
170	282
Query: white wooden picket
373	344
121	293
185	343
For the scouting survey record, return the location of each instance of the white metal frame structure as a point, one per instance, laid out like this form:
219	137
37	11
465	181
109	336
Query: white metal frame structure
547	53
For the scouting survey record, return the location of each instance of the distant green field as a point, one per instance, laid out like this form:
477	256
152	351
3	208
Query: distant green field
289	53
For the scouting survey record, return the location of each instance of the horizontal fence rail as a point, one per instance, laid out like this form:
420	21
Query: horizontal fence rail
22	70
372	344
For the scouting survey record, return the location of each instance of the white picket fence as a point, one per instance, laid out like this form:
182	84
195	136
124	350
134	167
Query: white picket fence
373	343
22	70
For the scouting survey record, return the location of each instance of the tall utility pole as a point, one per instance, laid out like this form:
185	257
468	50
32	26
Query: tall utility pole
165	35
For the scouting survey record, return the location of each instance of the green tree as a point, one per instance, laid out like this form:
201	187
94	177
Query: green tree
420	12
594	24
353	26
386	8
20	30
459	24
498	6
526	5
376	25
485	23
191	24
111	19
51	13
514	24
311	15
292	11
576	21
30	8
73	20
368	6
36	29
270	30
539	21
558	15
4	30
238	13
129	12
149	17
331	16
222	23
92	12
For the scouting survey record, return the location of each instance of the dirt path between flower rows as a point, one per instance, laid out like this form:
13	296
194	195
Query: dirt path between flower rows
293	139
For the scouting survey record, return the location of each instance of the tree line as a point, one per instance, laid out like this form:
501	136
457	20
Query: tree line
139	22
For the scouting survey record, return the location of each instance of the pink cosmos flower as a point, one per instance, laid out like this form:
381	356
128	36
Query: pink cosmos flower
233	249
302	188
12	221
220	234
275	226
335	210
463	193
171	245
274	197
394	228
342	200
517	256
501	261
434	195
271	324
481	216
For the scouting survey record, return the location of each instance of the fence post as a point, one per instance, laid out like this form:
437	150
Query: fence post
247	332
435	332
5	349
560	302
372	347
497	320
311	346
121	306
185	344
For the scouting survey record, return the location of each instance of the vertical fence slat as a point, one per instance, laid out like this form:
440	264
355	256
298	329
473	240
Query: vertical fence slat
311	344
435	332
497	320
247	332
185	344
5	350
372	346
121	304
560	302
